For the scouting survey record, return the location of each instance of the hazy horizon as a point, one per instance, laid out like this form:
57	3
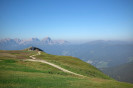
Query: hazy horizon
78	41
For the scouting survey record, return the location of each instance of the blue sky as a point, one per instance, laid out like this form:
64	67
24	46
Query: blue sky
67	19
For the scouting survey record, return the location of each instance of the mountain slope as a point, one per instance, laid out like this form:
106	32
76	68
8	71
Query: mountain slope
122	73
15	72
73	64
51	64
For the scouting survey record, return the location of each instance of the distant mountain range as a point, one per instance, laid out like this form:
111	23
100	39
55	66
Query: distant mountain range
99	53
11	44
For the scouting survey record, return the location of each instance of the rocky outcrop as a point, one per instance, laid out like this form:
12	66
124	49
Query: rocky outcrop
34	49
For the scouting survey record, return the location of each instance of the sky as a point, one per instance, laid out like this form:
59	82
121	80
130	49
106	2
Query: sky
67	19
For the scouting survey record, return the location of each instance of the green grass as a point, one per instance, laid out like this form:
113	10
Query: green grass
17	73
74	64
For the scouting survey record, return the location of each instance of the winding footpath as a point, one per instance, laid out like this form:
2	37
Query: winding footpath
51	64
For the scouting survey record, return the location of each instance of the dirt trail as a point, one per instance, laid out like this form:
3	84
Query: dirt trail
46	62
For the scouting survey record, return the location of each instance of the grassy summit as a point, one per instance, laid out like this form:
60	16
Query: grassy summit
17	73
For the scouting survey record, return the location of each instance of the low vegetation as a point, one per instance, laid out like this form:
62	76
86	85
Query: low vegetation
17	73
74	64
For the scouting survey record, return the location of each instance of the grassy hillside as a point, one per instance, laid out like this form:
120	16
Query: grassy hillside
122	72
73	64
17	73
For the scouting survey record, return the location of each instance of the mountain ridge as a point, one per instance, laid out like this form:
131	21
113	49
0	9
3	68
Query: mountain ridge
18	44
46	40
